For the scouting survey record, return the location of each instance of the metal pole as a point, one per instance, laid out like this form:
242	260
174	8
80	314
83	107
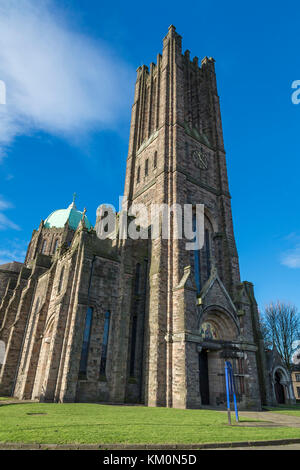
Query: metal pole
235	407
227	392
234	397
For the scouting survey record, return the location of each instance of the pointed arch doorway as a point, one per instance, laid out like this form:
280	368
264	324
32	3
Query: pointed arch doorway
203	377
217	329
279	389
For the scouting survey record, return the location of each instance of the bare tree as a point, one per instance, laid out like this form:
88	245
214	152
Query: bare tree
280	327
265	333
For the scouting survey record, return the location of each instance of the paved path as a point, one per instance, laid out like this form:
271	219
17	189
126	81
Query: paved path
282	447
273	418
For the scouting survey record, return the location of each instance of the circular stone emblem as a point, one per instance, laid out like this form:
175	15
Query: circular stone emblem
200	159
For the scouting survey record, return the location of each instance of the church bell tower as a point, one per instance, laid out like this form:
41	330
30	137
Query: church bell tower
199	312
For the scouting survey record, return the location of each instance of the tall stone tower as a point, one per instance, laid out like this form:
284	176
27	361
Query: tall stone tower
199	313
141	320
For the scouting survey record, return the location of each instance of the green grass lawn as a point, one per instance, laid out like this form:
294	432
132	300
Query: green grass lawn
292	410
87	423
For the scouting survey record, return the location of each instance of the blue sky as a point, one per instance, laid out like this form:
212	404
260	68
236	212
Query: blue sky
69	67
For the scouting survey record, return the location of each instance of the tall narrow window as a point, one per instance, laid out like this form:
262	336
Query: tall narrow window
220	264
55	245
2	352
138	174
105	344
44	246
86	343
146	167
137	279
61	278
187	150
207	252
155	160
133	345
197	261
29	339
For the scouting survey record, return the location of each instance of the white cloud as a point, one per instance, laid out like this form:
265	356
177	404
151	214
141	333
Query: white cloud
5	222
296	355
291	258
4	204
57	80
15	250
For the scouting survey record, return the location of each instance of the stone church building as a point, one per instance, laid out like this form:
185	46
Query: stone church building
141	321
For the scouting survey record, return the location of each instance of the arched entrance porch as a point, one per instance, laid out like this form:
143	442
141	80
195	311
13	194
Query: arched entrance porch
219	331
282	386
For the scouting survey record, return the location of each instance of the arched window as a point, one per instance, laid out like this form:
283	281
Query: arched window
86	343
146	167
104	344
61	278
44	246
197	260
155	160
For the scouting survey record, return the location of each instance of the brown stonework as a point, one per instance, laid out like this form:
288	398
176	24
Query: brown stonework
125	320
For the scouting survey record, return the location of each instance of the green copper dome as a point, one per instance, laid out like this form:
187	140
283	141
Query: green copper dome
71	215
